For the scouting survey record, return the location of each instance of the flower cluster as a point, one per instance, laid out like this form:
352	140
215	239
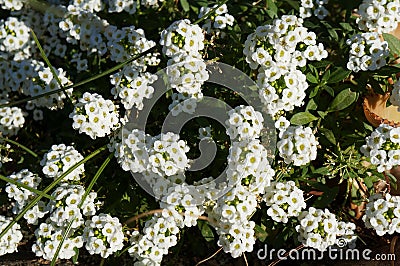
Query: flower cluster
127	42
132	87
320	229
118	6
380	16
186	70
11	120
216	22
21	195
244	123
182	37
186	74
248	165
167	154
183	102
59	159
11	4
285	200
367	52
15	39
313	7
9	242
103	235
49	237
65	209
95	116
43	82
383	147
230	217
382	213
160	233
284	93
158	158
278	49
298	145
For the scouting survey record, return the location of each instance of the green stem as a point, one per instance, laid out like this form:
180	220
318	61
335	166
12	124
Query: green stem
115	68
107	72
21	146
87	191
19	184
43	54
49	187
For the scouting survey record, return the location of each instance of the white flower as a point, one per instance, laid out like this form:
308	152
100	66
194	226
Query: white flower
297	145
59	159
101	116
10	241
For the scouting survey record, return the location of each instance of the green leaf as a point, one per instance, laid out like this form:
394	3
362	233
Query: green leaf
329	90
260	233
329	135
311	105
206	231
394	43
314	92
302	118
311	78
322	114
322	171
338	75
346	26
185	5
343	100
326	76
272	9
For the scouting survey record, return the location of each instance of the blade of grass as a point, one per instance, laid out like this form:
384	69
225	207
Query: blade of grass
102	74
49	187
43	54
115	68
87	191
20	146
31	189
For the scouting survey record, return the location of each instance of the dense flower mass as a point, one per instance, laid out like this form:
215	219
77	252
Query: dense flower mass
367	52
383	214
298	145
383	147
289	77
320	229
22	196
381	16
285	200
9	242
15	39
244	123
277	50
103	235
11	120
182	37
95	116
59	159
